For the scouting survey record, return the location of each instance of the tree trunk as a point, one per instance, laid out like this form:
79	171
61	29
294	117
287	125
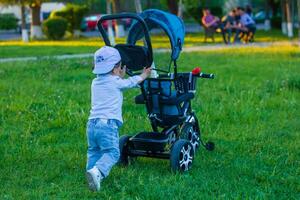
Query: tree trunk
298	21
149	4
283	20
110	29
267	19
289	18
76	33
25	36
120	32
116	6
138	9
274	5
138	6
36	30
173	6
180	9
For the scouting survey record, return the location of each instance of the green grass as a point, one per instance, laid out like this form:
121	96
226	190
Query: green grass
251	111
9	49
28	51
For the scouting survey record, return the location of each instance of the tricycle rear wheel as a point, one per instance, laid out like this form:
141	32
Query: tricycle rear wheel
123	145
191	132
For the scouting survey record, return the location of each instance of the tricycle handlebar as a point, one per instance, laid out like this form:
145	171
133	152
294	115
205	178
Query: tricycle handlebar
203	75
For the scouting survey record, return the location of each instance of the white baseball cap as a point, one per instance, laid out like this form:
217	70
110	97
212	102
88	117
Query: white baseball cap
105	59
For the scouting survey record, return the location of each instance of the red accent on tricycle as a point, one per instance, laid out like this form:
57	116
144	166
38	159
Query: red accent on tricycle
196	71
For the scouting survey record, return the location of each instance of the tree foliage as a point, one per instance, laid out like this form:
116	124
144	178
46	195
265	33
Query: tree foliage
35	6
73	14
94	6
194	8
24	2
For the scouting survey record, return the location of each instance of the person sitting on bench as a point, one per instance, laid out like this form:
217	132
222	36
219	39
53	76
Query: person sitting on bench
247	24
213	23
230	24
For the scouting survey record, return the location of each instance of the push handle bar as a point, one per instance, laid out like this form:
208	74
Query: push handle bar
122	16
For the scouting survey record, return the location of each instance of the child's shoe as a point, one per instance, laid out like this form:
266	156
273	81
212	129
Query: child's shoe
93	178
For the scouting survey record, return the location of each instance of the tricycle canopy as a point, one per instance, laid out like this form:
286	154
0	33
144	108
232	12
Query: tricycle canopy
135	53
171	24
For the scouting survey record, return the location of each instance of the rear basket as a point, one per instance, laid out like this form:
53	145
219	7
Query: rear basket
150	141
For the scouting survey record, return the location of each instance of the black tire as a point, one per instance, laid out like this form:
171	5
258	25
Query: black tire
182	156
124	157
191	132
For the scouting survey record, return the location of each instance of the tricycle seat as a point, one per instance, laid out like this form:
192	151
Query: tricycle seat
165	105
173	100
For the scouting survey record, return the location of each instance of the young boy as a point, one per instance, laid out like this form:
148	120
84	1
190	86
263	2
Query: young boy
106	113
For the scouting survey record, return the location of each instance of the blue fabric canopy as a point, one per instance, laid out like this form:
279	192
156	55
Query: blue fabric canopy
171	24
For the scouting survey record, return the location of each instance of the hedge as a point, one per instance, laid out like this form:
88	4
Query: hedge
8	21
55	28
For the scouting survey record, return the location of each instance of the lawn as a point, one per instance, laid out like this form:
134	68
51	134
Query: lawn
10	49
251	111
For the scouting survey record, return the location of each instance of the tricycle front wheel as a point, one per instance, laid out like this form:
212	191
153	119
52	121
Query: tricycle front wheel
182	156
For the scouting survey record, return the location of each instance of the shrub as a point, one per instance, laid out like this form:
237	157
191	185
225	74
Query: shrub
73	14
66	14
8	21
55	28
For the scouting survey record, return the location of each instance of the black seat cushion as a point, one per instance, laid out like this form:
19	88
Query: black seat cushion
177	99
134	57
170	120
173	100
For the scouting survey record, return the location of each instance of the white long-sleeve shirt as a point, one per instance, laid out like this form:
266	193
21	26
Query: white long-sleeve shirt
107	96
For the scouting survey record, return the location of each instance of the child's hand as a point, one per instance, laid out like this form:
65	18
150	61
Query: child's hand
146	72
123	71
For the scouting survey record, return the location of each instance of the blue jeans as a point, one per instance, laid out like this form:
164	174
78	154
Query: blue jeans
103	145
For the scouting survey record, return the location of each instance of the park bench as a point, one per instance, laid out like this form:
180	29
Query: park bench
209	33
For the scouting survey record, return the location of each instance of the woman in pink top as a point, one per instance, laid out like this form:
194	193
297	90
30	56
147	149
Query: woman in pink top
210	21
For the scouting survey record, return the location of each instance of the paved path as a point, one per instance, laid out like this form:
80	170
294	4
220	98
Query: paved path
213	47
189	28
9	35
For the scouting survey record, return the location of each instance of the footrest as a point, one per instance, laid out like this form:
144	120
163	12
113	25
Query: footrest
149	141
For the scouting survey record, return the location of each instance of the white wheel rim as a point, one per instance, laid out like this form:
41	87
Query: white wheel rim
194	138
186	157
